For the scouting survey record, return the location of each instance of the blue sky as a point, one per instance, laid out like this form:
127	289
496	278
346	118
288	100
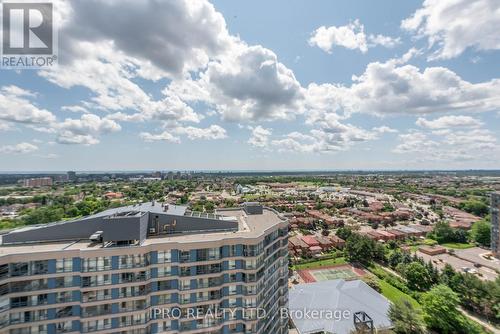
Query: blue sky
254	85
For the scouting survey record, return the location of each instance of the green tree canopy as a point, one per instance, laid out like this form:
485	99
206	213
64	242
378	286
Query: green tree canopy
406	318
481	233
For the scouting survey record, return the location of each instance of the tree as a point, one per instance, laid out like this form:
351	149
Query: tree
406	318
417	276
441	313
481	233
475	207
343	233
447	274
460	236
395	258
442	232
359	248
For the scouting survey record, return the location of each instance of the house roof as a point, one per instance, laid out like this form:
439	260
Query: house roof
310	240
336	295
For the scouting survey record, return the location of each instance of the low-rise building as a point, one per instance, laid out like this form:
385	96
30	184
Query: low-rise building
337	242
432	250
351	300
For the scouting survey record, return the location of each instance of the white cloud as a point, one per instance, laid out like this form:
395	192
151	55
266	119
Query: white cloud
247	84
415	142
179	36
384	129
47	156
448	145
181	39
382	40
20	148
5	126
449	122
75	108
351	36
164	136
211	133
328	136
15	106
453	26
84	130
386	88
260	137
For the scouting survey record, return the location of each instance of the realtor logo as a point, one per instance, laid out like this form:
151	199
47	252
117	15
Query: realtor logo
27	35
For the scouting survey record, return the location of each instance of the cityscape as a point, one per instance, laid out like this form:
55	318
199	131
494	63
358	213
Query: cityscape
249	167
200	252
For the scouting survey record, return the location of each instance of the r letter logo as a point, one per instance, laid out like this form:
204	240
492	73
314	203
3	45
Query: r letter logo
28	35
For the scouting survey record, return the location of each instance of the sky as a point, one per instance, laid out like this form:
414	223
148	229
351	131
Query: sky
260	85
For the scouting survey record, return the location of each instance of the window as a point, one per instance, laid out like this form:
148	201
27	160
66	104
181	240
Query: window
185	284
64	296
64	282
185	256
90	296
64	265
233	289
19	269
165	299
96	264
133	261
63	327
164	271
164	256
96	280
39	267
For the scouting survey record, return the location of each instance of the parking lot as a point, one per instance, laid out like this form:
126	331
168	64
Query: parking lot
458	264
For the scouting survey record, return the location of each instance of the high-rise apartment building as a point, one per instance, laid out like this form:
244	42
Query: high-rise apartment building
147	268
495	228
37	182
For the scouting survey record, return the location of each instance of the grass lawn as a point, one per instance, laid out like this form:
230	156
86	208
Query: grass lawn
394	294
457	245
320	263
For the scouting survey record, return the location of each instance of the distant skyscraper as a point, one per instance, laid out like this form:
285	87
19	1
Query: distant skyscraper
495	228
71	176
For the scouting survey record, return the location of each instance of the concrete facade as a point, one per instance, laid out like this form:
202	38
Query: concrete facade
73	285
495	224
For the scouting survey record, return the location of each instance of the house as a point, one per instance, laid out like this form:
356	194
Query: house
337	242
297	245
324	242
310	240
386	236
374	235
322	216
397	234
459	218
315	249
113	195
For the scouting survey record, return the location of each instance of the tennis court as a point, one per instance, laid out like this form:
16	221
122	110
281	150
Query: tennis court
332	273
345	272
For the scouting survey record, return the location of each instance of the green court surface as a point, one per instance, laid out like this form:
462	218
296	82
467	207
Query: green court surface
332	273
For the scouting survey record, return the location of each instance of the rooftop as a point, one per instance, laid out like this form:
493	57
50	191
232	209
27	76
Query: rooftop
144	224
337	296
